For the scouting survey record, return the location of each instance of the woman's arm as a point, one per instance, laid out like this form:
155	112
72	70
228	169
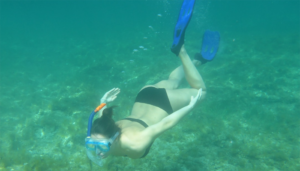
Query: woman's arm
171	120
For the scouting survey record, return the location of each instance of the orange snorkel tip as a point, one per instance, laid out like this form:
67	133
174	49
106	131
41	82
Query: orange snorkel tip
99	107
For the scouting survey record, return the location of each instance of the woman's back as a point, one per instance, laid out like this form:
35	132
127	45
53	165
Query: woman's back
148	113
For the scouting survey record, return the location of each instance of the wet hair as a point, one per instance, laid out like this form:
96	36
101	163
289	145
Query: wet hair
105	125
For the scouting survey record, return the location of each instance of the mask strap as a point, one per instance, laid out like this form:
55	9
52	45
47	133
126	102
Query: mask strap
114	137
91	118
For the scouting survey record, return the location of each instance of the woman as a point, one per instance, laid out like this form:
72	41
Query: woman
157	108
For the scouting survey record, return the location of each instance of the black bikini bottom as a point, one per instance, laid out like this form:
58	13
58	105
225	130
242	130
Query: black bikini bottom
155	96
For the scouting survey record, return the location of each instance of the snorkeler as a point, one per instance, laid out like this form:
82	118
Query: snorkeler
157	107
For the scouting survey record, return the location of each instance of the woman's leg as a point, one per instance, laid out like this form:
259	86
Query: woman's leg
192	75
181	97
188	70
173	81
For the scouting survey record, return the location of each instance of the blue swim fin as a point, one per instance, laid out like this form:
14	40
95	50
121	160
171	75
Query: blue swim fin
210	45
183	20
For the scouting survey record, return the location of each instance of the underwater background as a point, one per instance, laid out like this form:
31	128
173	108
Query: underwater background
58	58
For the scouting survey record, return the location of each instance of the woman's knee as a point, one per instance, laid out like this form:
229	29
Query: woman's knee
203	95
198	85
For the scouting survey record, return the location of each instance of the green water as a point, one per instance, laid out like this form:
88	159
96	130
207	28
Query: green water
57	59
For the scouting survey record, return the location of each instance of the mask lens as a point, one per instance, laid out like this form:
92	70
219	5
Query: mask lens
103	147
90	146
99	146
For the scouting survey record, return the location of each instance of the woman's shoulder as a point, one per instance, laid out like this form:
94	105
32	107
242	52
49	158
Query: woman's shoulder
133	140
132	144
131	137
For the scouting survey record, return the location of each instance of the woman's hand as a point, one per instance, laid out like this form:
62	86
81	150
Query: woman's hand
110	96
195	99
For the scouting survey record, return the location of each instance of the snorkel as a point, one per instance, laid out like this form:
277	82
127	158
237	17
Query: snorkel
92	117
96	149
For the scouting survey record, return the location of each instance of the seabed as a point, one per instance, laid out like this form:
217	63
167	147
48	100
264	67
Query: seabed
248	122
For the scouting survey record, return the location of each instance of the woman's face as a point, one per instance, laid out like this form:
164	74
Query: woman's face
99	137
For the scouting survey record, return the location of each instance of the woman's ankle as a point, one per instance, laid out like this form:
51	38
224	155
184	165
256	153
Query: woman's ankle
182	52
197	62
